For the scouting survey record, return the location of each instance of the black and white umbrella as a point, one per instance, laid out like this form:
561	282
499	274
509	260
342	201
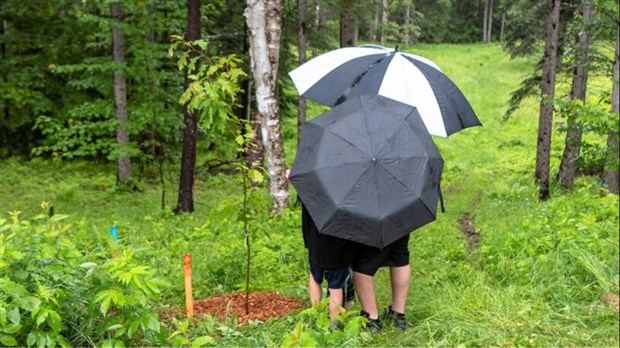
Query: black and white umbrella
338	75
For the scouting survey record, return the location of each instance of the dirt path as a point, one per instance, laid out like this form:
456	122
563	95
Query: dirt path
468	227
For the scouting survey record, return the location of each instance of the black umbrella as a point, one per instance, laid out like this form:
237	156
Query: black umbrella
340	74
368	171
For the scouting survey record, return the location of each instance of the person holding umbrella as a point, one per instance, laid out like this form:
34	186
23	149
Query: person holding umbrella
367	260
330	260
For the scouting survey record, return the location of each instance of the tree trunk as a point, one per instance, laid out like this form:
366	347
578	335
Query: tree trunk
490	21
407	34
502	27
610	174
572	143
301	44
190	123
485	22
264	19
123	173
547	89
385	17
150	127
374	23
317	23
348	23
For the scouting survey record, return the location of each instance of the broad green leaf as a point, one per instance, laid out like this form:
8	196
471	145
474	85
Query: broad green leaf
28	303
42	316
88	265
31	339
153	324
8	341
11	329
14	315
255	176
202	340
54	320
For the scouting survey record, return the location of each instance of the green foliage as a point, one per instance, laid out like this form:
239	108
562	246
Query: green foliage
315	329
215	82
84	124
53	294
596	120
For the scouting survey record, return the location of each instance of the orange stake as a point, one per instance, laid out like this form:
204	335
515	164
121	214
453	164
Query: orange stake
189	299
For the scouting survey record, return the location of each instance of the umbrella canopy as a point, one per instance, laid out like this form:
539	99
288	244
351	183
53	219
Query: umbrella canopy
368	171
338	75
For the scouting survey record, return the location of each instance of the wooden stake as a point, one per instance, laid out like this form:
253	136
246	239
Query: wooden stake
189	299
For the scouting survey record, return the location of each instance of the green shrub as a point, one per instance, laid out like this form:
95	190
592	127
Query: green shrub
53	293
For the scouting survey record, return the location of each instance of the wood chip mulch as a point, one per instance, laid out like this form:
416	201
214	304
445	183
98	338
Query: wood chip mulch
262	306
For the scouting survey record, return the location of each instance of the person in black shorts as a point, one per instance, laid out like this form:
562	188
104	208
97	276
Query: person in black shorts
330	259
367	261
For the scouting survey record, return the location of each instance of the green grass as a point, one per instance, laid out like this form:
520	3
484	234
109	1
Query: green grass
536	278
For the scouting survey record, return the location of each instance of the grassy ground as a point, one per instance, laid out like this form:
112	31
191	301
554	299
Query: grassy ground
535	278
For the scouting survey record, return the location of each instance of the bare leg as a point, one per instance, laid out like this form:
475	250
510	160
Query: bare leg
315	291
335	302
399	277
365	288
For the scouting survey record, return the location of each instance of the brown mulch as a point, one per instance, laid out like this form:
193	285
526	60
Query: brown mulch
261	306
468	228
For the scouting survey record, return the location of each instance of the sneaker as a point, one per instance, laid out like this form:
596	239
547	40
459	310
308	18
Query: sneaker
375	324
399	318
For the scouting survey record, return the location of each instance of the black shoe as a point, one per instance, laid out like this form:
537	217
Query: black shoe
375	324
399	318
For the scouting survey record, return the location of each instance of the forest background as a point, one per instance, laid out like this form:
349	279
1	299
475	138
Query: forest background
116	118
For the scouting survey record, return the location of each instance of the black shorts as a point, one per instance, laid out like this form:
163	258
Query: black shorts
337	278
349	291
369	259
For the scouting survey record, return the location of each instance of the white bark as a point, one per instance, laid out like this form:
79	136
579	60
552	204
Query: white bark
264	20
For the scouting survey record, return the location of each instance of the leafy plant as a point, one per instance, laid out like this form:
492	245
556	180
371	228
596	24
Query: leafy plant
46	302
315	329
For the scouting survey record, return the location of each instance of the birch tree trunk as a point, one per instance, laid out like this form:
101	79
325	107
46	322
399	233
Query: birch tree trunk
190	122
610	174
123	173
264	19
572	142
547	89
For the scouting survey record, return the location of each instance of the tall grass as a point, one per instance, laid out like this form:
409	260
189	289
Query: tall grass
536	277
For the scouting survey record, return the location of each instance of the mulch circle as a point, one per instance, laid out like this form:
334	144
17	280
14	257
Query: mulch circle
261	306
